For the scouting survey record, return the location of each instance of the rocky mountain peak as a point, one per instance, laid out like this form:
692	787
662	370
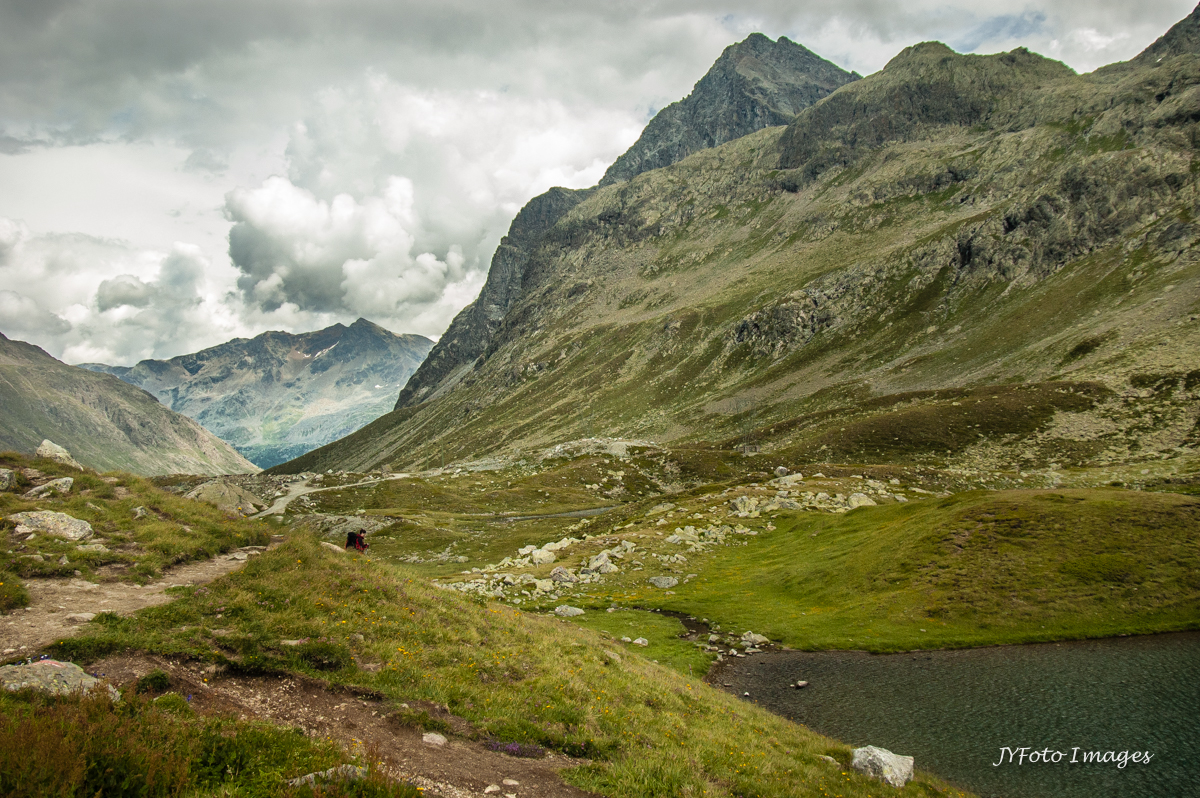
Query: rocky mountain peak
755	83
1182	39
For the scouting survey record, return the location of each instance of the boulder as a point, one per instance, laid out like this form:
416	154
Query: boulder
434	739
882	764
544	585
139	513
52	451
332	547
560	574
56	525
541	557
226	496
781	471
61	486
53	677
567	611
663	582
753	639
641	641
8	479
860	500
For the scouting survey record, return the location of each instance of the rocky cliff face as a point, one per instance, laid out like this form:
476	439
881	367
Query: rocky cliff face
948	223
105	423
756	83
278	395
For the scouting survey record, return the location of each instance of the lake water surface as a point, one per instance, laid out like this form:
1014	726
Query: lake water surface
955	710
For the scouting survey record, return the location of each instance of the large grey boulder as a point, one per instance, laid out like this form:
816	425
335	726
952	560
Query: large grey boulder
663	582
52	451
56	525
226	496
7	479
567	611
882	764
61	486
53	677
541	557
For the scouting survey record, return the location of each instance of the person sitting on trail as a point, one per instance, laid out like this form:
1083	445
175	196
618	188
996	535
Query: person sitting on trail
360	542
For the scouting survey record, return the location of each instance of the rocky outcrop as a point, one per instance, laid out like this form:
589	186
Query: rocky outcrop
279	395
52	451
756	83
468	336
51	524
53	678
227	496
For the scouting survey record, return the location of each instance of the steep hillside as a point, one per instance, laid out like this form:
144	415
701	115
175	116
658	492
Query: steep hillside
754	84
106	424
978	261
280	395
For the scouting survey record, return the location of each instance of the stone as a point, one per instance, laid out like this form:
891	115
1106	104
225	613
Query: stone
53	677
80	617
60	486
860	500
567	611
98	548
544	585
226	496
800	685
829	759
491	788
659	509
511	783
52	451
332	547
882	764
641	641
781	471
754	639
663	582
139	513
339	773
541	557
56	525
433	738
7	479
560	574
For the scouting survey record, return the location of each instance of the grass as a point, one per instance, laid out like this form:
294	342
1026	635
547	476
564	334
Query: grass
978	568
517	677
157	748
173	530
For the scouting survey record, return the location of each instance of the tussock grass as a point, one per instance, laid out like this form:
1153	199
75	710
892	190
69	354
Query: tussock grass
143	748
516	677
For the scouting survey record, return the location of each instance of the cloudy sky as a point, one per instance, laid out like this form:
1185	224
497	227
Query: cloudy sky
174	174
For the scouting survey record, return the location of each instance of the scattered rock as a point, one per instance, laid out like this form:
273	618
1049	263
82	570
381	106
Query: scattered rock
753	639
99	548
433	738
860	500
614	656
541	557
491	788
332	547
139	513
511	783
663	582
63	560
829	759
226	496
340	773
544	585
560	574
641	641
567	611
882	764
52	451
659	509
61	486
53	677
56	525
800	685
80	617
781	471
7	479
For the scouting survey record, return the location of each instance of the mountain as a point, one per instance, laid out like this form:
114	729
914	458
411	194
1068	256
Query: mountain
105	423
972	261
279	395
756	83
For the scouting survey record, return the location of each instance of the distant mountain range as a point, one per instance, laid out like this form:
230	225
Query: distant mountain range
105	423
279	395
974	261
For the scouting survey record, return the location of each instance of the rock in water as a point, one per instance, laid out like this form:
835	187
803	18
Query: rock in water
61	486
882	764
52	451
663	582
52	677
56	525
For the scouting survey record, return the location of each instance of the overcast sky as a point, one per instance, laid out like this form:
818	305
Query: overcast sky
175	174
